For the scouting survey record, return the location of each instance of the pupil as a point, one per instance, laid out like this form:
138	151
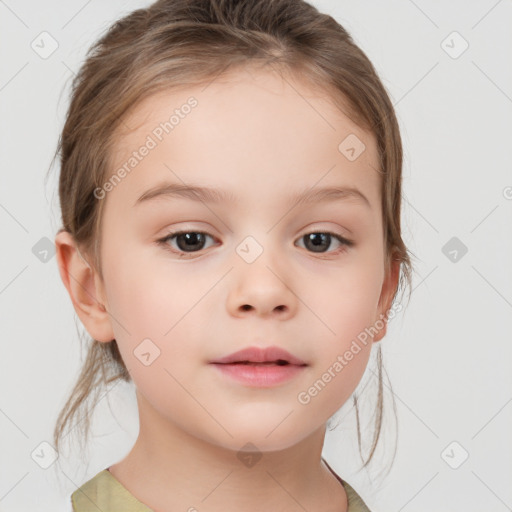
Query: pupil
195	240
318	239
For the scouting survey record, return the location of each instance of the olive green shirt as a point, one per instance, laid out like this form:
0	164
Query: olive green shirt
105	493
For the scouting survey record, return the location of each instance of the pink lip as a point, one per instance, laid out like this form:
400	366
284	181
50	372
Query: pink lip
261	355
260	375
258	367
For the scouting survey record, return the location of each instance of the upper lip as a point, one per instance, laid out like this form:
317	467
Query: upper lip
261	355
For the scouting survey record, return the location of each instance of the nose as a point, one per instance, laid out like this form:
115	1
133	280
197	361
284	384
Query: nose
259	289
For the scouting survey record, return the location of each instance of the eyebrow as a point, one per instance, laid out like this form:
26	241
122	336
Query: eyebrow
214	195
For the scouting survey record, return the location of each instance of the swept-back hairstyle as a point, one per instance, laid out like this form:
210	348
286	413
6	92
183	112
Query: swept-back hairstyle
180	43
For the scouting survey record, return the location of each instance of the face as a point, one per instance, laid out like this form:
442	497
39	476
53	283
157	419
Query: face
255	268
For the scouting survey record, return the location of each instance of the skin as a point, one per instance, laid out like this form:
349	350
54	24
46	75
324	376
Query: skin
254	135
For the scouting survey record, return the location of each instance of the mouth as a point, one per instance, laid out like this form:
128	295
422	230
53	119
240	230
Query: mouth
257	374
259	367
257	356
280	362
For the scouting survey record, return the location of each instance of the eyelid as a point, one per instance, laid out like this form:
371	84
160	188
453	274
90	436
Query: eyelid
307	230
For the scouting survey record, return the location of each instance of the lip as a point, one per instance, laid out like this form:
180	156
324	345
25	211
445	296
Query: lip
259	375
260	367
261	355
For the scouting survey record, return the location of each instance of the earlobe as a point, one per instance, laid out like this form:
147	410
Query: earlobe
389	288
84	288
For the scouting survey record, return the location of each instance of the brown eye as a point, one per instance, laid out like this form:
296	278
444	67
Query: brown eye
320	241
189	242
186	241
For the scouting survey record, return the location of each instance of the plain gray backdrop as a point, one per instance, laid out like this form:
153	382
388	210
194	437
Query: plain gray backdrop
448	69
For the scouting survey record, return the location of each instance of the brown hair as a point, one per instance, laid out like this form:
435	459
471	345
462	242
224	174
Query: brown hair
178	43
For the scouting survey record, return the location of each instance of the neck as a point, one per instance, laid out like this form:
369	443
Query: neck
168	469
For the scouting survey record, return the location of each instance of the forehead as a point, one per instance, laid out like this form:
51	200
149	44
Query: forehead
248	131
249	89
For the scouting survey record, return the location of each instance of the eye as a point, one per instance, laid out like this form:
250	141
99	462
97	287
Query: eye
193	241
318	240
185	240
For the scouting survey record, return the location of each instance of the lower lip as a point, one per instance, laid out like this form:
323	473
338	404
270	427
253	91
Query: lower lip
260	376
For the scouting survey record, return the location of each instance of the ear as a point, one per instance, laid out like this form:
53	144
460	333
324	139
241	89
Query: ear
84	287
389	288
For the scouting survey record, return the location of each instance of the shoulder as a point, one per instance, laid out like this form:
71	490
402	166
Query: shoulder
103	492
355	502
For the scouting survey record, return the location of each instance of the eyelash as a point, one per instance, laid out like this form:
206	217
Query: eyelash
345	243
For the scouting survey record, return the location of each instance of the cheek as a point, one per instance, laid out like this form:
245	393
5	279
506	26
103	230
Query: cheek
149	302
347	301
347	310
341	355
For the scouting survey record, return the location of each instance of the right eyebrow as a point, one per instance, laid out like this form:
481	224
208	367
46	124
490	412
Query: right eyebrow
192	192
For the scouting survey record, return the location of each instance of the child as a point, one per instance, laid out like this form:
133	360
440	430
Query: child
259	131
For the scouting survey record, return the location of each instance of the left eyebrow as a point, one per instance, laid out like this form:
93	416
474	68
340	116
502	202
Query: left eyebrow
214	195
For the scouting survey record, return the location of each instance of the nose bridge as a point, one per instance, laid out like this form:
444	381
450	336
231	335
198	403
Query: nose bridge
261	243
260	238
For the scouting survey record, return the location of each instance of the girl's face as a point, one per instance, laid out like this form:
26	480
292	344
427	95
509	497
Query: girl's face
247	274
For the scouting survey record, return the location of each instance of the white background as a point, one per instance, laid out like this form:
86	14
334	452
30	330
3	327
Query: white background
448	354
